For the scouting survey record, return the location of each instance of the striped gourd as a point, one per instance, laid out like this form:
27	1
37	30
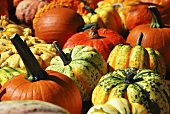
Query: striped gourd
139	86
84	65
8	72
123	56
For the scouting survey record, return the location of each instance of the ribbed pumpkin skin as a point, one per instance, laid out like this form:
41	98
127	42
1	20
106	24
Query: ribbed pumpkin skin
8	72
57	89
123	56
145	88
56	23
106	41
85	69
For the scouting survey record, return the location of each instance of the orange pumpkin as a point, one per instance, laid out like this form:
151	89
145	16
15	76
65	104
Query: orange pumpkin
38	84
103	40
56	23
156	36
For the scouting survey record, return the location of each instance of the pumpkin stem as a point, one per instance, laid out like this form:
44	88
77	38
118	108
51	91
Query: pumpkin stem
139	40
90	10
93	33
34	70
116	5
129	76
66	60
156	18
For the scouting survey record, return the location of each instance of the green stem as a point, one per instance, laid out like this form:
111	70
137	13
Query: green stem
34	70
66	60
139	40
156	18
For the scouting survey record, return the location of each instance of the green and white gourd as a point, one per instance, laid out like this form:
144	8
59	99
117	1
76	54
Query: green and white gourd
83	64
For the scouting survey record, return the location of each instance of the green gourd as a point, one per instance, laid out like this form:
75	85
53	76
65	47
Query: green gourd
83	64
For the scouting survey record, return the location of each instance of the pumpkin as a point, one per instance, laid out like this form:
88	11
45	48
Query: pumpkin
8	27
138	86
102	39
123	56
42	51
26	10
113	106
30	106
56	23
39	84
8	72
156	35
83	64
4	7
106	17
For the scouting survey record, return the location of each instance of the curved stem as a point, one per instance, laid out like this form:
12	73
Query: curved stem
156	18
119	5
34	70
93	33
90	10
63	56
139	40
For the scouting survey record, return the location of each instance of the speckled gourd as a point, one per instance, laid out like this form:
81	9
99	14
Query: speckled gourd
142	86
83	64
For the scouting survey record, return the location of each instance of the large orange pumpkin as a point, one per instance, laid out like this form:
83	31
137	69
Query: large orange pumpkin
37	84
56	23
156	36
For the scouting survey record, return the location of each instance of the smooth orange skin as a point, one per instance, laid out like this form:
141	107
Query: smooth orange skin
57	89
106	41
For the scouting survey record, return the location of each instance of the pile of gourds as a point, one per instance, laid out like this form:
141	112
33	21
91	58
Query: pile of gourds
85	57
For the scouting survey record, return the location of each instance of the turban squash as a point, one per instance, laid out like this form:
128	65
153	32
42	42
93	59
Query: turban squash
83	64
123	56
138	86
102	39
56	23
156	35
39	84
42	51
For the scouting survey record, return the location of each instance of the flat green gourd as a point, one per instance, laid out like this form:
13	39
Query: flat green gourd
8	72
83	64
141	86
